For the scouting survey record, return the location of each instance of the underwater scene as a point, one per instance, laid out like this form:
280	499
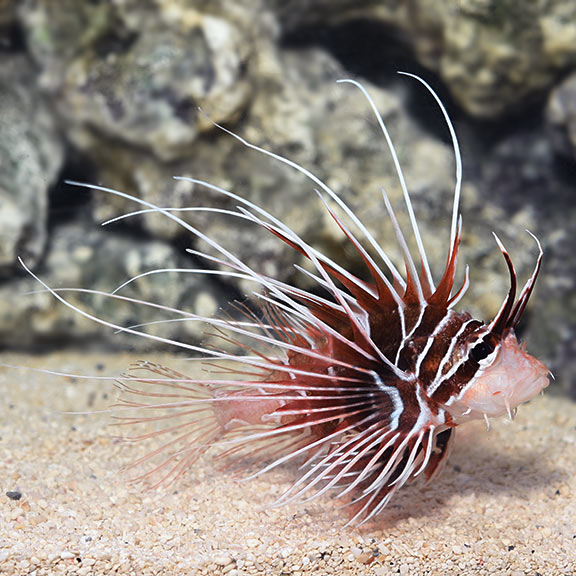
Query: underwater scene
287	287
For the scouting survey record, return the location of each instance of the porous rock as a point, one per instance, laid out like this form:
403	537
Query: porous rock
87	258
328	129
31	155
128	73
494	56
126	78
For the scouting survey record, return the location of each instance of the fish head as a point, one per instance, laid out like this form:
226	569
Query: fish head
507	376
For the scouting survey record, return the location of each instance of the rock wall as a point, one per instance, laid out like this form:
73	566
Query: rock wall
108	93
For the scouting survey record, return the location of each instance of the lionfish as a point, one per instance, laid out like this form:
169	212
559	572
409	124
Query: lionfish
361	381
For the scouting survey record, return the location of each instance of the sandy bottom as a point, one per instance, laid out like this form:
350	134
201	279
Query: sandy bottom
506	504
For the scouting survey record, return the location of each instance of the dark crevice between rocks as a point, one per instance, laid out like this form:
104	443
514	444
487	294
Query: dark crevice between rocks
12	39
367	49
68	203
116	40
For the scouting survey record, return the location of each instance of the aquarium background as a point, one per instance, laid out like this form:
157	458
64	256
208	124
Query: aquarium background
108	93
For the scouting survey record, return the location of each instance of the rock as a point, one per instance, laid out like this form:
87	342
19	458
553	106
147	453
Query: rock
295	110
129	73
324	127
148	95
124	80
7	21
31	155
85	257
493	56
328	129
561	116
128	81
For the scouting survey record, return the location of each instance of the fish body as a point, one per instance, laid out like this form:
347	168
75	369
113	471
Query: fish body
361	381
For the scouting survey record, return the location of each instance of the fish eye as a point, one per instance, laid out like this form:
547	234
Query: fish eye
481	351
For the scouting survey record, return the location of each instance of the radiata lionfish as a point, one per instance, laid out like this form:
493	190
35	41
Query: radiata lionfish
363	381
